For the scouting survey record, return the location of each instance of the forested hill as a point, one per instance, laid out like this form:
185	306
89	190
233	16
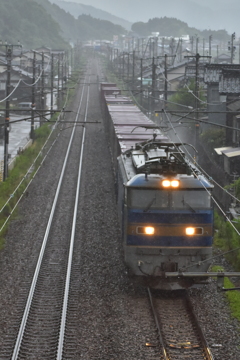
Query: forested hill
28	22
38	22
167	26
84	28
77	9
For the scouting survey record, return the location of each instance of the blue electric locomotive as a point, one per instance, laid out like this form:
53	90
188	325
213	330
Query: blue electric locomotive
166	216
164	202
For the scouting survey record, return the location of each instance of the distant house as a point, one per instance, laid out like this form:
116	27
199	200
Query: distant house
222	59
231	159
175	75
222	87
233	123
44	49
22	92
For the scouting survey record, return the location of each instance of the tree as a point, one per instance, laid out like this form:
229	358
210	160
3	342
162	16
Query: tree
185	96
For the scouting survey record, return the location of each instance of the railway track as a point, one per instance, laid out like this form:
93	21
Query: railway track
42	327
179	332
102	316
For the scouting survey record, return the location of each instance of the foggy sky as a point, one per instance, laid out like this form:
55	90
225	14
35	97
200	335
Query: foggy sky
202	14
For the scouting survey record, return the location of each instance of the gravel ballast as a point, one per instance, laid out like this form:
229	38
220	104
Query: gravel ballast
114	319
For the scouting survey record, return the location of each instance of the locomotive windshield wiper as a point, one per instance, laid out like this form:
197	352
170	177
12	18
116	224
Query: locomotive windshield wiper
188	205
150	204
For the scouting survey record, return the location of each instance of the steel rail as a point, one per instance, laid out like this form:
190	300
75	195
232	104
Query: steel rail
67	284
45	239
205	348
208	353
158	326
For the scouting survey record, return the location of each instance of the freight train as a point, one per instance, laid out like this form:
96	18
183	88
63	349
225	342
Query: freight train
164	203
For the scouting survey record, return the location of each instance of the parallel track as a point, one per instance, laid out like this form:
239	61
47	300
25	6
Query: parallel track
42	328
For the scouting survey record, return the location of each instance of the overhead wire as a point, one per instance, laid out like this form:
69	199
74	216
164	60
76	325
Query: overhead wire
214	200
12	91
225	215
40	75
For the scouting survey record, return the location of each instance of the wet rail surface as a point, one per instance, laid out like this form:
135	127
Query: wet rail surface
179	332
39	333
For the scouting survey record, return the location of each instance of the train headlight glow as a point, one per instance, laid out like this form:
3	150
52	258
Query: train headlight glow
166	183
149	230
190	231
175	183
170	183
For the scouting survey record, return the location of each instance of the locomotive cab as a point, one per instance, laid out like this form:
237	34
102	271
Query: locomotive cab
167	222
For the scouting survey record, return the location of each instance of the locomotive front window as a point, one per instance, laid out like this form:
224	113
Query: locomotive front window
147	199
191	199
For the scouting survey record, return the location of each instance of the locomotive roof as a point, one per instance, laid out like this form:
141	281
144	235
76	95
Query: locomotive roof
153	181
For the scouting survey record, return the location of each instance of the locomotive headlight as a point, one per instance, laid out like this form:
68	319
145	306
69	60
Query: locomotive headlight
149	230
170	183
175	183
190	231
166	183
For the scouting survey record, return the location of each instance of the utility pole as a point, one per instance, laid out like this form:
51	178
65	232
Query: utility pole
7	112
231	47
71	59
141	76
192	40
210	45
61	92
153	82
197	58
165	74
52	77
58	82
163	43
123	65
165	80
9	51
133	69
42	90
33	96
197	39
128	69
181	47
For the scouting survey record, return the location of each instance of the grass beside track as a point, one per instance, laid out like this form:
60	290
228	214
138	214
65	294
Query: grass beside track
9	196
22	164
233	296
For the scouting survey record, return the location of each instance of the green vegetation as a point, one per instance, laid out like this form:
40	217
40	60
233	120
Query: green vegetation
9	196
184	96
37	23
213	138
29	23
173	27
236	187
22	164
227	239
84	28
233	297
89	28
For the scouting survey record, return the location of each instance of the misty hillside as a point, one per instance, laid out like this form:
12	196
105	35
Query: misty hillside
173	27
201	14
84	28
29	23
77	9
38	23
